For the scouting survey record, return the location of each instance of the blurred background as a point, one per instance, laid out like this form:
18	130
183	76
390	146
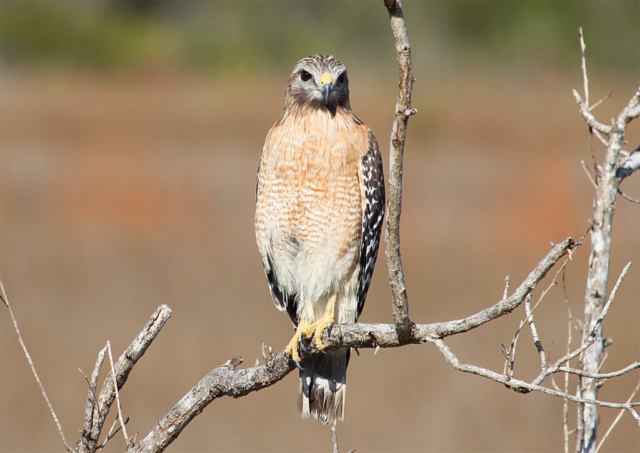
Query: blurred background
130	137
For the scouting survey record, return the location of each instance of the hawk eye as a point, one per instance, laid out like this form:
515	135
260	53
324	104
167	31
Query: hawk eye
342	77
305	76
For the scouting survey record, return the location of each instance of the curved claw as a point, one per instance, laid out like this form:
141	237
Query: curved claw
297	363
303	343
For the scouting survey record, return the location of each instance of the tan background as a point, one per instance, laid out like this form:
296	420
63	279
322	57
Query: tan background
125	189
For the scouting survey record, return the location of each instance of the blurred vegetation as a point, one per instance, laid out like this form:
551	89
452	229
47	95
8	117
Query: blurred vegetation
231	36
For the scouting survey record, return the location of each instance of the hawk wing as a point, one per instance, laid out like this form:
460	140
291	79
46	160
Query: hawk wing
372	216
281	298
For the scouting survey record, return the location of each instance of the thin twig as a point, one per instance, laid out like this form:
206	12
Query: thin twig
617	419
585	79
600	137
625	370
590	338
589	118
565	402
110	435
334	438
516	384
601	101
115	388
5	299
586	170
634	414
627	197
505	294
534	333
529	315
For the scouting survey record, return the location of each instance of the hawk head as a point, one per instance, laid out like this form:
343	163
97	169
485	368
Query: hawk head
319	81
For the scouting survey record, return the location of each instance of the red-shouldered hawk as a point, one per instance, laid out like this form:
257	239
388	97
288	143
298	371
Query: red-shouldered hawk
319	210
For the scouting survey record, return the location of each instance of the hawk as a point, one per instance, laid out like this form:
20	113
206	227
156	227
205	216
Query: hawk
319	210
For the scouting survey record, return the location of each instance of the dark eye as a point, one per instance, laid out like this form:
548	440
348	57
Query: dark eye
342	77
305	76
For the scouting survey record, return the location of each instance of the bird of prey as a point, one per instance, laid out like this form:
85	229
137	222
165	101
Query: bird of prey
319	210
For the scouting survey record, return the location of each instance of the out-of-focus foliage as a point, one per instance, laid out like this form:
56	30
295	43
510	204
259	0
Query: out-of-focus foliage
231	36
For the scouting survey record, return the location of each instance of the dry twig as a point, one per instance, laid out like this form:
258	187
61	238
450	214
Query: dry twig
115	388
5	300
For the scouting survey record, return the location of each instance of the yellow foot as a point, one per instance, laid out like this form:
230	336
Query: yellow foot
308	330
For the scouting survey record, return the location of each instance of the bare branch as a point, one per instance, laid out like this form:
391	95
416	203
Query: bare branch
222	381
92	400
516	384
633	413
624	370
631	111
608	181
226	381
394	205
5	299
89	435
589	118
511	303
589	339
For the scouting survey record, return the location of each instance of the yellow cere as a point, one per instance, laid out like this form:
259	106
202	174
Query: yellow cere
326	78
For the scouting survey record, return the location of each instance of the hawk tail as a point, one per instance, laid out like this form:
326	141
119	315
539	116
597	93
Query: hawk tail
323	387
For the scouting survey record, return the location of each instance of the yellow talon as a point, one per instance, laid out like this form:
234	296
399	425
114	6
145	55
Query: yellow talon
315	329
324	323
293	348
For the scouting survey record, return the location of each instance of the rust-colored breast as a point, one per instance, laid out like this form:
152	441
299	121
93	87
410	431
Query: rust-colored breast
310	201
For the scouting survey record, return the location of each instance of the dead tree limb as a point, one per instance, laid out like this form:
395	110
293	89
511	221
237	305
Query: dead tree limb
226	381
396	153
98	407
608	178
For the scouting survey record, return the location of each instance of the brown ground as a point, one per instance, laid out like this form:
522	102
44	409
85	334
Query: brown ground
123	193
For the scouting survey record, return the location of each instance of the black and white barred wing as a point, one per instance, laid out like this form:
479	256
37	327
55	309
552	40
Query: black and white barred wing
372	216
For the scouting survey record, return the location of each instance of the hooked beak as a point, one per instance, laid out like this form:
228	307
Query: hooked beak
325	86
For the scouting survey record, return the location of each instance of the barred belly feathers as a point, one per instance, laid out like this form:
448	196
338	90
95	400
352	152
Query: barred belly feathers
319	211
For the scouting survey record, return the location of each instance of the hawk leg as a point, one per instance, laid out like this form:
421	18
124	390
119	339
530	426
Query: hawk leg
316	329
